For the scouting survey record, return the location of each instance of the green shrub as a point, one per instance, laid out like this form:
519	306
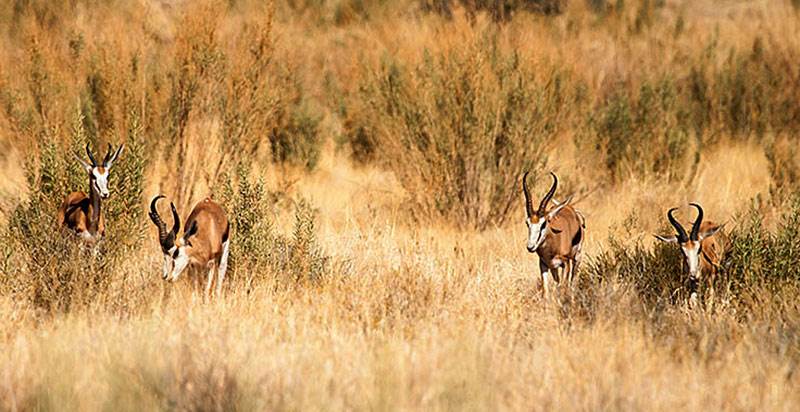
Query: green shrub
643	133
259	253
499	10
757	260
54	269
295	139
459	127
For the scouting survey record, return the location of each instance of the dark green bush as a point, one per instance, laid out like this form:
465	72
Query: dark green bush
758	260
53	268
499	10
460	126
259	252
643	133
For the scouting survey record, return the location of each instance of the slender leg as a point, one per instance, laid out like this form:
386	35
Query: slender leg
209	280
545	279
223	266
568	268
577	263
693	298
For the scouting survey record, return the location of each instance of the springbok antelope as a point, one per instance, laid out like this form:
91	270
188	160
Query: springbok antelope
702	251
555	235
204	243
82	213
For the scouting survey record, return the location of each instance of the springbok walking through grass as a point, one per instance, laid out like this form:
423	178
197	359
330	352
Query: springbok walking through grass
556	235
81	212
702	251
205	242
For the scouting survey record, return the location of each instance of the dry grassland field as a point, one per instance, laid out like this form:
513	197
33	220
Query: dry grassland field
367	157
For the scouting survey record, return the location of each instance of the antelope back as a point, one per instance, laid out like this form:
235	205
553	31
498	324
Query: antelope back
566	230
212	230
713	248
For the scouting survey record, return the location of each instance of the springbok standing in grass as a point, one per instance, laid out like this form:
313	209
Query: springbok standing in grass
702	251
82	213
204	243
555	235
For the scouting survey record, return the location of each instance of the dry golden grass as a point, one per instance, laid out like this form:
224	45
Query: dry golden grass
423	318
413	315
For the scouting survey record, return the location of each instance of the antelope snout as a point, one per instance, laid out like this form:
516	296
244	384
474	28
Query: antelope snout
531	248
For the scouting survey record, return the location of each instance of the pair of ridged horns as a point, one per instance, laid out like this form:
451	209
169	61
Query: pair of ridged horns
167	239
545	200
109	158
695	233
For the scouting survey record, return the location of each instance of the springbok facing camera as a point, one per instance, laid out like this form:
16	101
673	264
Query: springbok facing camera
555	235
204	243
702	251
82	213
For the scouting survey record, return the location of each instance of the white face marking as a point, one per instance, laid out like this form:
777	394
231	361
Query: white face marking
167	268
691	253
536	233
180	263
100	182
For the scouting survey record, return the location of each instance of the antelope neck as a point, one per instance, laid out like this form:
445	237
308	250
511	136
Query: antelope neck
94	199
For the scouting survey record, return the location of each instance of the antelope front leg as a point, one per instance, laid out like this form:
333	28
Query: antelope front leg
545	279
223	266
568	271
209	281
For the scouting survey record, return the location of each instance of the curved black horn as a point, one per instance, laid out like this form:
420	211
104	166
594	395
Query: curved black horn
91	157
166	239
681	231
108	155
694	235
528	204
549	195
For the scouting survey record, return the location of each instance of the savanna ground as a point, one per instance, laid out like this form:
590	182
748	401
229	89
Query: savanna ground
368	154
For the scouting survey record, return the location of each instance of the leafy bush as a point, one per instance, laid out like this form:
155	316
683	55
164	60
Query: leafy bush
757	260
762	259
643	133
459	127
295	138
54	269
750	93
502	10
258	251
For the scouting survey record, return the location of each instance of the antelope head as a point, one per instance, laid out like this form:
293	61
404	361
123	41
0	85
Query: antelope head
690	244
177	251
538	220
98	173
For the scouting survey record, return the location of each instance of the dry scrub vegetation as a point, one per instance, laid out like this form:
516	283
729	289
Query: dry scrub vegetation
368	153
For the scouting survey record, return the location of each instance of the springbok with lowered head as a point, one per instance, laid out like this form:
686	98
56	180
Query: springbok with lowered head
556	235
82	213
205	242
702	251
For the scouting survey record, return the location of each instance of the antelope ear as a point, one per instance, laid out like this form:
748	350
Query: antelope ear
671	239
189	233
710	232
565	202
557	209
113	158
86	166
